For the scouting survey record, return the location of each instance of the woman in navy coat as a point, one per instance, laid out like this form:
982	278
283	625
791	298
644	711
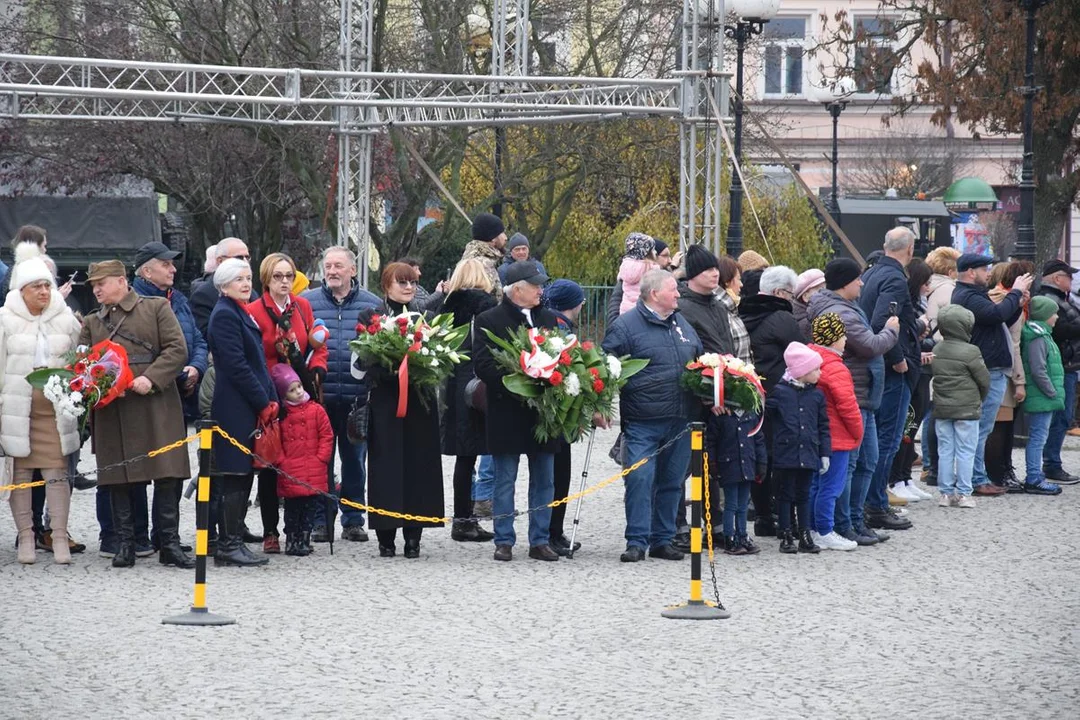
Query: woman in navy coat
243	393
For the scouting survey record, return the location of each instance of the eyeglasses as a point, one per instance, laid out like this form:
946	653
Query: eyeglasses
280	277
407	283
786	293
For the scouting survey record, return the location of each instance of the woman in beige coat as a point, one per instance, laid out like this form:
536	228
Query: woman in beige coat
37	330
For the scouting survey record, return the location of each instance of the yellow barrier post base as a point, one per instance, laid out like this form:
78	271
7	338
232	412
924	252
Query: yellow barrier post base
696	608
198	616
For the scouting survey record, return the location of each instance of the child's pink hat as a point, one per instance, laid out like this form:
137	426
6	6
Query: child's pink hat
283	376
800	360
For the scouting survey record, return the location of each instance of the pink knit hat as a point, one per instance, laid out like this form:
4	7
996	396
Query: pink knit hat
800	360
807	280
283	377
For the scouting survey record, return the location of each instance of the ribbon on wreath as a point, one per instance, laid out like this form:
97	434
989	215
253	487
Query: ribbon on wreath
718	386
403	375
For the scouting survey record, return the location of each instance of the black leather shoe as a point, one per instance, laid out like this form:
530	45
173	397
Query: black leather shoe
867	532
469	530
862	540
387	550
320	534
412	549
748	545
787	543
732	546
1061	477
543	552
633	554
125	555
887	520
175	556
806	543
504	553
681	542
561	544
355	533
666	552
1013	483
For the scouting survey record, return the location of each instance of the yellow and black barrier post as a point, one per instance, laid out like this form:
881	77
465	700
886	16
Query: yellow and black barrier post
199	614
696	608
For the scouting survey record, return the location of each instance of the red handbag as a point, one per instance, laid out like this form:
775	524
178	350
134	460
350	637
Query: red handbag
267	447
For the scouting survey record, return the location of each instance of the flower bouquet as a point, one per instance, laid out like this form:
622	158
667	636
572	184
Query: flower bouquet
740	386
422	353
565	381
93	378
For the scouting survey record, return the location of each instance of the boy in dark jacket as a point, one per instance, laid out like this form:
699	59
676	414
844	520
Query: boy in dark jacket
801	445
960	385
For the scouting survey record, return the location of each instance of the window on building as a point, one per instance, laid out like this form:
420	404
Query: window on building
875	59
785	46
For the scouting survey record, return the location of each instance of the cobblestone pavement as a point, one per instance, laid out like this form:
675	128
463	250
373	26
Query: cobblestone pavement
972	614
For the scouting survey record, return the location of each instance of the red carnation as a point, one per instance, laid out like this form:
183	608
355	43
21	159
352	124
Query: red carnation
598	386
373	329
77	384
418	336
564	358
540	339
586	345
97	372
361	328
556	378
595	373
403	321
80	368
403	330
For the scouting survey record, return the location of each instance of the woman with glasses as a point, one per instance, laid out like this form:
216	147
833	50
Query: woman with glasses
404	460
285	322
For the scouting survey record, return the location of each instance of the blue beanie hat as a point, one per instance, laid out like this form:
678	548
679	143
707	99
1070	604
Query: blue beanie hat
563	295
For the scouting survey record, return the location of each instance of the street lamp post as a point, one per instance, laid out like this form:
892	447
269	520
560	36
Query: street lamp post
835	100
1025	240
751	16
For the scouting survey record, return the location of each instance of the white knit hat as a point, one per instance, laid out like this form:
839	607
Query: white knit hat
30	267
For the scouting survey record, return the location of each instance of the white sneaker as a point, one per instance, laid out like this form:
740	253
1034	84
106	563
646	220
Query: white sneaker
906	491
832	541
913	488
944	500
965	501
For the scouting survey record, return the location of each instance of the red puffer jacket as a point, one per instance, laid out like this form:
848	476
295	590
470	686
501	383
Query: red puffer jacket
308	441
845	422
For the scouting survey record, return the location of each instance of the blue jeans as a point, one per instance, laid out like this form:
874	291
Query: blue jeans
654	490
890	417
353	469
990	407
957	440
541	492
929	439
842	510
736	498
484	480
826	488
1059	425
863	469
1040	426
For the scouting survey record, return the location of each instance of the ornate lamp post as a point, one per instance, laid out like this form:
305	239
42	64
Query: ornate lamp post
835	99
1025	240
751	16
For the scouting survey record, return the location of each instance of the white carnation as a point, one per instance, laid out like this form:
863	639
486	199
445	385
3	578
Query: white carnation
76	397
710	360
556	344
572	385
614	367
424	351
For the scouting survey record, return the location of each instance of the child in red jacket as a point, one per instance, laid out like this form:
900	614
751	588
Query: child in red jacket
308	443
845	426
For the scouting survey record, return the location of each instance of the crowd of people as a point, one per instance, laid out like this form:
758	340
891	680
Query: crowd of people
851	361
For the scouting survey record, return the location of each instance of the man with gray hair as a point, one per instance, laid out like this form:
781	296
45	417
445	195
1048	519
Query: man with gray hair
339	303
885	294
772	326
205	296
654	410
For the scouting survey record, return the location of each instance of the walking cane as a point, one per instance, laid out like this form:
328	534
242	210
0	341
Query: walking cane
584	482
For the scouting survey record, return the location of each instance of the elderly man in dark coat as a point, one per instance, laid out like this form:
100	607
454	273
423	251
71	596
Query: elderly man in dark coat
148	417
510	422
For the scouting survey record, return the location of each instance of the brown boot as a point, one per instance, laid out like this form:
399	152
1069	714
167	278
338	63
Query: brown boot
24	522
58	498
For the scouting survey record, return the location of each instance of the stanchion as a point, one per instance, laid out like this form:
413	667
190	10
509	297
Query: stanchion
696	608
198	614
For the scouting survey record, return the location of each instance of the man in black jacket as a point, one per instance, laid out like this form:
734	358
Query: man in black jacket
991	336
885	294
205	296
1056	285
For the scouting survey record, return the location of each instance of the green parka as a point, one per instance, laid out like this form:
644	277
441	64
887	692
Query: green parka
961	380
1042	360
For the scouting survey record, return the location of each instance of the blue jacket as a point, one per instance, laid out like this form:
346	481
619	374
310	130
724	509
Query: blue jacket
655	393
196	344
800	426
242	386
341	318
734	456
992	321
884	283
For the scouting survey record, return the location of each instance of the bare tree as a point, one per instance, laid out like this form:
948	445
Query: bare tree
912	164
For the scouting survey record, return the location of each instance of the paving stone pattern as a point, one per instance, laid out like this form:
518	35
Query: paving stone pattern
972	614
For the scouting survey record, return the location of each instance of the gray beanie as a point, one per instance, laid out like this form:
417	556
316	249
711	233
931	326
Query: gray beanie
517	240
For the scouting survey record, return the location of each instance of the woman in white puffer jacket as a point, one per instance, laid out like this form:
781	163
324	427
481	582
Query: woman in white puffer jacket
37	330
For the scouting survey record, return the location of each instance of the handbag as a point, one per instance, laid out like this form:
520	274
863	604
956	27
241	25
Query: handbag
476	395
356	425
267	446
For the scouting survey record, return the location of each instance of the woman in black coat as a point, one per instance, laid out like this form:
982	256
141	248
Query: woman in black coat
469	294
404	463
243	393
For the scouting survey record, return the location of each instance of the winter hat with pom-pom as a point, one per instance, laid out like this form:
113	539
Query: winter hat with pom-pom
30	267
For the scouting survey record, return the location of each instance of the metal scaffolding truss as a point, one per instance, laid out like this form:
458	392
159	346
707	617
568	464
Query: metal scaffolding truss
354	102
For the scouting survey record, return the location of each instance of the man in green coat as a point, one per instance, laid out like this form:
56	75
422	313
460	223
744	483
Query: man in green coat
1045	391
960	385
